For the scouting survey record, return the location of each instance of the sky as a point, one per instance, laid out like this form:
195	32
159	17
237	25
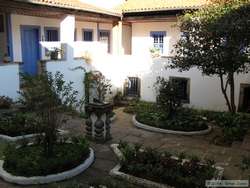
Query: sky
104	3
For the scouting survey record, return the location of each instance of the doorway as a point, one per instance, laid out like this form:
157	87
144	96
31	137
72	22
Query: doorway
30	49
244	104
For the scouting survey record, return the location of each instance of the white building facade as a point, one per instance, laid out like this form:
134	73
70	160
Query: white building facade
119	45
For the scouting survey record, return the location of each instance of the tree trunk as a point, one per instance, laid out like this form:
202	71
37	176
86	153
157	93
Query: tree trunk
224	91
232	93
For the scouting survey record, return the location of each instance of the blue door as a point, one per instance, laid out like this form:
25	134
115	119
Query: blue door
30	49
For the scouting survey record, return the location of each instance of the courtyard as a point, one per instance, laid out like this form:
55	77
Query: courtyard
122	129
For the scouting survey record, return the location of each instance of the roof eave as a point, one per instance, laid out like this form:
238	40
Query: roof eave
75	8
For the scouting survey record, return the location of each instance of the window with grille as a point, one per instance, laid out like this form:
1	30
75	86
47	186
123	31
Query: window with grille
132	87
183	86
87	35
51	34
158	40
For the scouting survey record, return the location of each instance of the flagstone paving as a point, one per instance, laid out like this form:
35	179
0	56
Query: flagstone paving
123	129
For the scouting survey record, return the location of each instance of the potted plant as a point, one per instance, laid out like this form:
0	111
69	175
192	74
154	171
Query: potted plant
54	53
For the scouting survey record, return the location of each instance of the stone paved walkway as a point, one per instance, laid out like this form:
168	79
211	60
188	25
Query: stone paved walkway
123	129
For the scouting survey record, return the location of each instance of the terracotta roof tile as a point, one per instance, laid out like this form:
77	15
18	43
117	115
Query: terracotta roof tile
72	4
159	5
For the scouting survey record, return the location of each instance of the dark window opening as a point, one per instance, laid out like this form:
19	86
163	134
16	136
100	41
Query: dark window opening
183	86
52	35
244	105
87	35
132	87
1	23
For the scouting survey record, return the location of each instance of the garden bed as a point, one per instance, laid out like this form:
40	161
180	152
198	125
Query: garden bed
190	181
28	165
166	131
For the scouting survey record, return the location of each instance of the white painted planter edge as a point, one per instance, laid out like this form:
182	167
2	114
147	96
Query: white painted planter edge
47	179
165	131
115	172
27	136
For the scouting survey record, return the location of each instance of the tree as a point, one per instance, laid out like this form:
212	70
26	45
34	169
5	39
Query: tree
97	86
48	97
168	97
216	40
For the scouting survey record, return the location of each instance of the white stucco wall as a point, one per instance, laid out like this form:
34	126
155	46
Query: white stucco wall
18	20
70	75
205	92
126	39
9	80
142	42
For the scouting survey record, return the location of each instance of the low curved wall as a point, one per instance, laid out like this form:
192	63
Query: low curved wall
159	130
47	179
27	136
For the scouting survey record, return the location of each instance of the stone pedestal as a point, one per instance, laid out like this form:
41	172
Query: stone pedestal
98	122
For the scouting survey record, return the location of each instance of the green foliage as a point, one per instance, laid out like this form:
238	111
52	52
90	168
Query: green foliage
161	167
234	126
5	102
96	83
216	40
245	163
31	161
48	97
17	124
184	119
168	97
118	98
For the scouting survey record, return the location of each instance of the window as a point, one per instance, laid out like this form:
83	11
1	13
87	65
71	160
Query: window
158	40
87	35
104	38
51	34
1	23
183	85
132	87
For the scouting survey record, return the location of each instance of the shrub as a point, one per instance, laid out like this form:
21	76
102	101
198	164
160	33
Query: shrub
161	167
17	124
96	86
184	120
168	97
5	102
234	126
31	161
48	96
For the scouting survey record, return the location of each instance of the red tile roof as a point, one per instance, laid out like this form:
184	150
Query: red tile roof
72	4
159	5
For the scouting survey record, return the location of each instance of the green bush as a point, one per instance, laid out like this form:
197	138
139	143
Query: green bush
5	102
234	126
17	124
161	167
31	161
184	119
